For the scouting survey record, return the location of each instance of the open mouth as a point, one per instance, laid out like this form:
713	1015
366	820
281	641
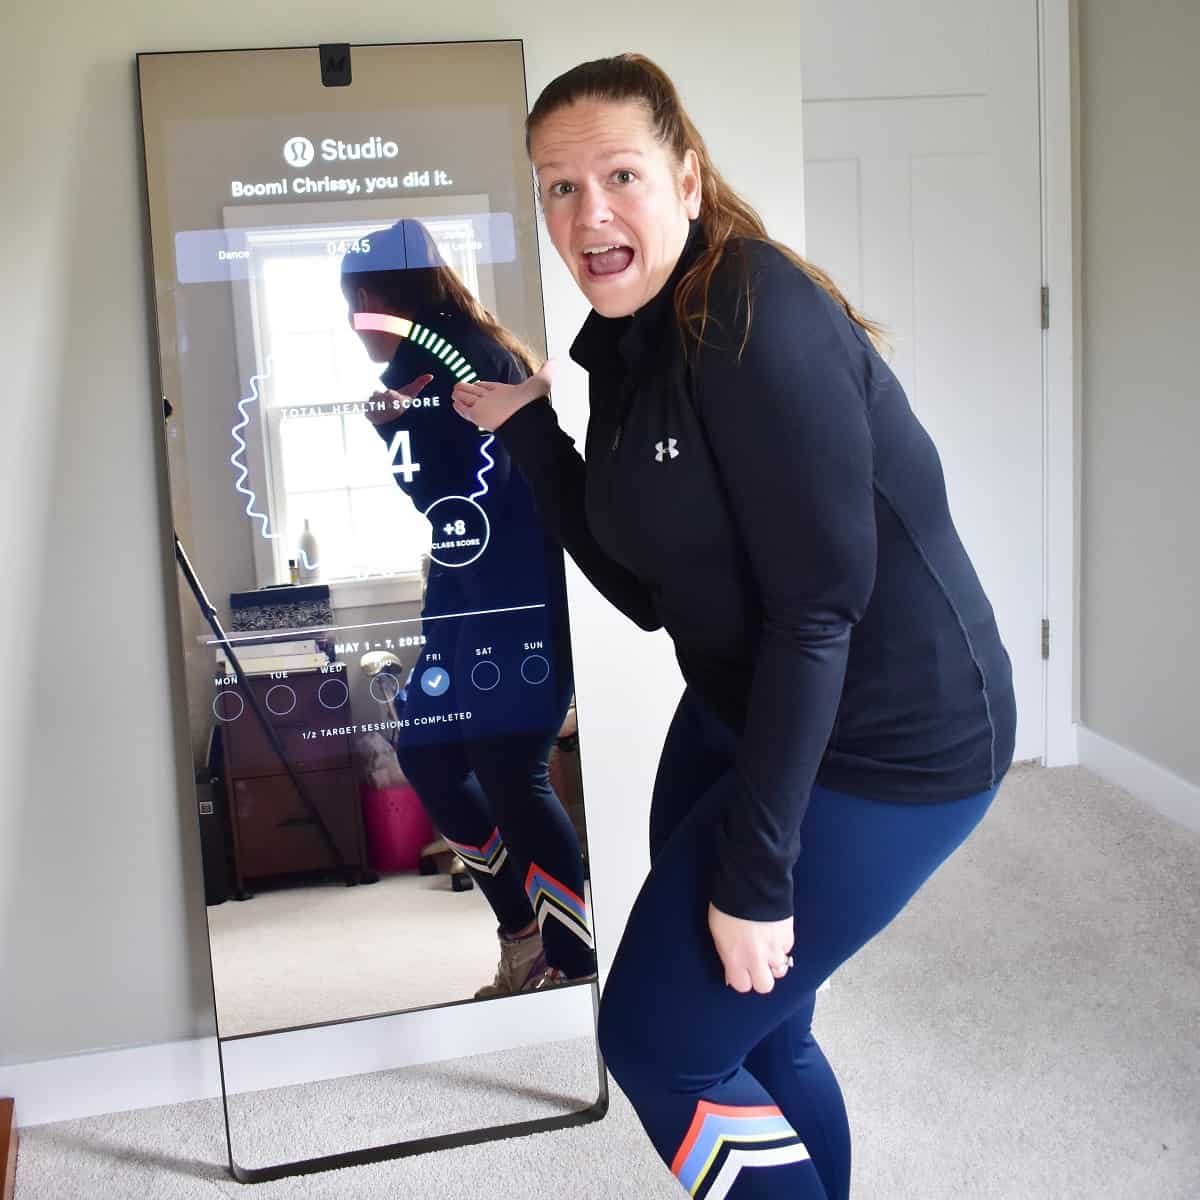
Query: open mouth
604	263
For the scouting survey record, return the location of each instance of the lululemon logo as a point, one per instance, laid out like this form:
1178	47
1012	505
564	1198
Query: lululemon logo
298	152
663	451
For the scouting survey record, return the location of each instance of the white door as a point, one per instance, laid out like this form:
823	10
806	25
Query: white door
922	200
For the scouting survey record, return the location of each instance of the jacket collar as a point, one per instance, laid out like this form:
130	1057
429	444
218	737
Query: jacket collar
602	339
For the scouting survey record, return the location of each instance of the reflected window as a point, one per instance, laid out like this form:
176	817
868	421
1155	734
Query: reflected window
316	458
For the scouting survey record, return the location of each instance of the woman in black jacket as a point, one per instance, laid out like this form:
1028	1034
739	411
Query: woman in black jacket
754	481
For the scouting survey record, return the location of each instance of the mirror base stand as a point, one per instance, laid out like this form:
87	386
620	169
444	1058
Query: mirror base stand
373	1154
426	1145
429	1145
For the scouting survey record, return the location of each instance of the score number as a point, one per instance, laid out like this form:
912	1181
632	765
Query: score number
403	463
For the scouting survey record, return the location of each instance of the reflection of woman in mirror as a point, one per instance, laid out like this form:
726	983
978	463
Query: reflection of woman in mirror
849	712
488	793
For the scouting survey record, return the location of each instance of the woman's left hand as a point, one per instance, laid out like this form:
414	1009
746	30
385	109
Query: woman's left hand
489	405
753	953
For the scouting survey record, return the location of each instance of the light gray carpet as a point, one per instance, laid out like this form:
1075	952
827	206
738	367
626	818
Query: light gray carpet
1028	1029
404	942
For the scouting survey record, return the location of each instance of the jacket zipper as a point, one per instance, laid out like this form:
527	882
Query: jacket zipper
626	401
618	434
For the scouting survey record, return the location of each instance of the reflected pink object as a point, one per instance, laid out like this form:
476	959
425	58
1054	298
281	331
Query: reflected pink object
383	322
396	827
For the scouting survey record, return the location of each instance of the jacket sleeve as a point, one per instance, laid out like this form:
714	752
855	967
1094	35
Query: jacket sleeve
787	424
555	471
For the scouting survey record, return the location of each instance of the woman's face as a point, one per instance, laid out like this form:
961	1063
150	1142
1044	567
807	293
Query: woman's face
606	181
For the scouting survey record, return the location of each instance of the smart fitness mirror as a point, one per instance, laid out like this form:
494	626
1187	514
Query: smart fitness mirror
375	638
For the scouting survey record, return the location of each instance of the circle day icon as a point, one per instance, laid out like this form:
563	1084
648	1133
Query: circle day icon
435	681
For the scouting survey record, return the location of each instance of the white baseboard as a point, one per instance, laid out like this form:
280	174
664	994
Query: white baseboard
88	1085
1062	744
1168	793
406	1039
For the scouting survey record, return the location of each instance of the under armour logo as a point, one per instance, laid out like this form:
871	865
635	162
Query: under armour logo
663	451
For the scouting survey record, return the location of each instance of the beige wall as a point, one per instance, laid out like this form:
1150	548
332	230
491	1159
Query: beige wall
1139	193
102	939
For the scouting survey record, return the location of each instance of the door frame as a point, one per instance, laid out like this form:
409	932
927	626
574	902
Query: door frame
1057	104
1056	23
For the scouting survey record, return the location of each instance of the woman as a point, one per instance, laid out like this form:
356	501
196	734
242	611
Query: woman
756	483
485	782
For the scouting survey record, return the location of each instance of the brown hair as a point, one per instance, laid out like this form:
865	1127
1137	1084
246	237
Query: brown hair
405	268
725	214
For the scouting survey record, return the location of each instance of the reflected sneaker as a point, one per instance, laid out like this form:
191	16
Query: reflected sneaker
522	965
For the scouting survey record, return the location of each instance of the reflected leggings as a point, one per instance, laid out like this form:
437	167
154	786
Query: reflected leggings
733	1089
491	799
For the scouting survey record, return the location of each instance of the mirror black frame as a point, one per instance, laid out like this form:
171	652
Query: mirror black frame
335	67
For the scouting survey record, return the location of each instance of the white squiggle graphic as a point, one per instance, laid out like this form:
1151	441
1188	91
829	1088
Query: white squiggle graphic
239	465
491	462
239	483
244	472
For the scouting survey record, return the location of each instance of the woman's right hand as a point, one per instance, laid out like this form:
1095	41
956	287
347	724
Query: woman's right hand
488	405
388	405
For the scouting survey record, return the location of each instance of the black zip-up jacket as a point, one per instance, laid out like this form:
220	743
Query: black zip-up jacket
783	514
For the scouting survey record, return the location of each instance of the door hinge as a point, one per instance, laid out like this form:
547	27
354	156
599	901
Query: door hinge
1045	308
1045	637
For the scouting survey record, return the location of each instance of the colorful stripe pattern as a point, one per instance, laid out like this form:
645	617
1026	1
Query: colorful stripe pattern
723	1139
553	899
425	337
488	858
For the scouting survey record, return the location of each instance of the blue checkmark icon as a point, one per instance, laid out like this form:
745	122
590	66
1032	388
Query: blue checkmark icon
435	681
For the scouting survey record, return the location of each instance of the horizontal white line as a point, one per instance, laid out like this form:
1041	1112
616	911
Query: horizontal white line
269	634
893	99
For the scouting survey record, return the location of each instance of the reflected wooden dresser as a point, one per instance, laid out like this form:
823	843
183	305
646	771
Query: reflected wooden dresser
274	832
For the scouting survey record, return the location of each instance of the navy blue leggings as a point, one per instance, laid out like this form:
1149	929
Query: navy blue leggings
732	1088
489	795
491	799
